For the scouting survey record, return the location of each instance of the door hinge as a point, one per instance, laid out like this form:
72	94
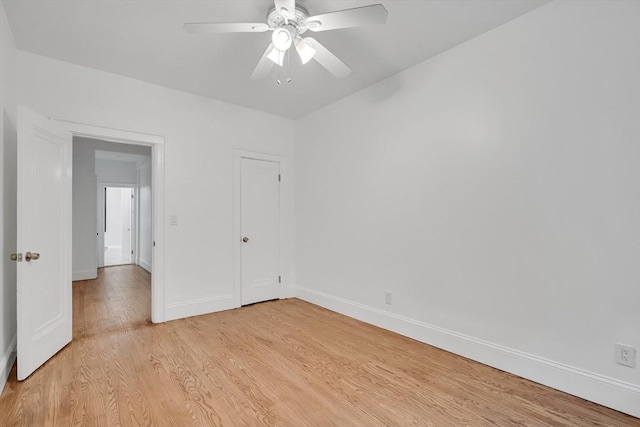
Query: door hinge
154	243
279	177
279	279
131	252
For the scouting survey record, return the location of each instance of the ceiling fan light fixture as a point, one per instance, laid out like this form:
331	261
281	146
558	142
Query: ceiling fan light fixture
277	56
305	51
282	39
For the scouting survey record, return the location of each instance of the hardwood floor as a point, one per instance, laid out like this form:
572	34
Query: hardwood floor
276	363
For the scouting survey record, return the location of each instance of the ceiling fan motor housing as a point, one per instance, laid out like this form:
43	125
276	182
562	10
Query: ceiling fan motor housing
275	20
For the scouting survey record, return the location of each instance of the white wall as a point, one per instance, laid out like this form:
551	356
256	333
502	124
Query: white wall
116	172
200	137
494	189
8	177
84	258
144	216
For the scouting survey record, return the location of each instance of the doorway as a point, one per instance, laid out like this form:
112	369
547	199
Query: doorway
118	225
151	193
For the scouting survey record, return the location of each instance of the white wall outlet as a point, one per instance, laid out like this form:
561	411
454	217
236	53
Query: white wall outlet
173	220
625	355
388	297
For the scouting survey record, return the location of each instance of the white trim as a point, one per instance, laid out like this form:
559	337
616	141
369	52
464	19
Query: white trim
238	155
117	184
144	264
109	134
157	156
606	391
196	307
84	275
6	363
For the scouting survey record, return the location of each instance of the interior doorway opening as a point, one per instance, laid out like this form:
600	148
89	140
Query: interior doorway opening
151	195
112	239
118	225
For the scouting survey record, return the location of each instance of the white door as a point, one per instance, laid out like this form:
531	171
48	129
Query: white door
44	241
260	226
118	234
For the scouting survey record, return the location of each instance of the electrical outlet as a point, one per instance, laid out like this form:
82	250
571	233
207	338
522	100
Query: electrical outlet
625	355
388	296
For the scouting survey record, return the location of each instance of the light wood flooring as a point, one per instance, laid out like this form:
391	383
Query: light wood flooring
284	363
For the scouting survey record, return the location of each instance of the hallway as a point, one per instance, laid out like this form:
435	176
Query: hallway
120	298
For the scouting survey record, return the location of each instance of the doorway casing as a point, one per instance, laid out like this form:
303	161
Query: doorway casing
156	142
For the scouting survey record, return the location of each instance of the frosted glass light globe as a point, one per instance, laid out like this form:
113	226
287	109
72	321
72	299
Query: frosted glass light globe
282	39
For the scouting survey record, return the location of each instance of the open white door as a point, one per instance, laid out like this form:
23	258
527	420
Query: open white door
44	240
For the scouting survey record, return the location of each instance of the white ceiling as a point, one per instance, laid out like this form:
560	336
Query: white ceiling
145	40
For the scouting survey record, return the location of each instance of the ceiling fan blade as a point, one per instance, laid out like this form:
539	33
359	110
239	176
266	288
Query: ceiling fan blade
288	5
264	65
348	18
224	27
328	60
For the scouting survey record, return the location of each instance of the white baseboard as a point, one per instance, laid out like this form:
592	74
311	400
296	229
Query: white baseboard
144	264
606	391
6	363
197	307
84	275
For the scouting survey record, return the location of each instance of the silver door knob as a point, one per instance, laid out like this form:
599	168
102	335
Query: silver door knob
31	256
245	239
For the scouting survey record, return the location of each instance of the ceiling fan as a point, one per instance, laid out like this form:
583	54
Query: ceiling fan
289	21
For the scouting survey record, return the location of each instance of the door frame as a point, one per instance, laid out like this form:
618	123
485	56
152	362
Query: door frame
101	219
285	198
156	142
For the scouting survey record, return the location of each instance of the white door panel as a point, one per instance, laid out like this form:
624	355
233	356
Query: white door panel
43	227
260	225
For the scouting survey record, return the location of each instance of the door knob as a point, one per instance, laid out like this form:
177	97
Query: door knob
31	256
16	257
245	239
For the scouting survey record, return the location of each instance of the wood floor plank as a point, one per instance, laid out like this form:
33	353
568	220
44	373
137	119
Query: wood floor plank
280	363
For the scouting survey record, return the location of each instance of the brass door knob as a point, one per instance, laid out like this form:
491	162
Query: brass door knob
31	256
245	239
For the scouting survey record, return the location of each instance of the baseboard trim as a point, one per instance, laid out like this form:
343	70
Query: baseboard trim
144	264
606	391
84	275
6	363
197	307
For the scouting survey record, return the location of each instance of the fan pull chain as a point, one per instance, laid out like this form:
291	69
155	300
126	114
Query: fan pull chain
279	80
288	70
289	80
